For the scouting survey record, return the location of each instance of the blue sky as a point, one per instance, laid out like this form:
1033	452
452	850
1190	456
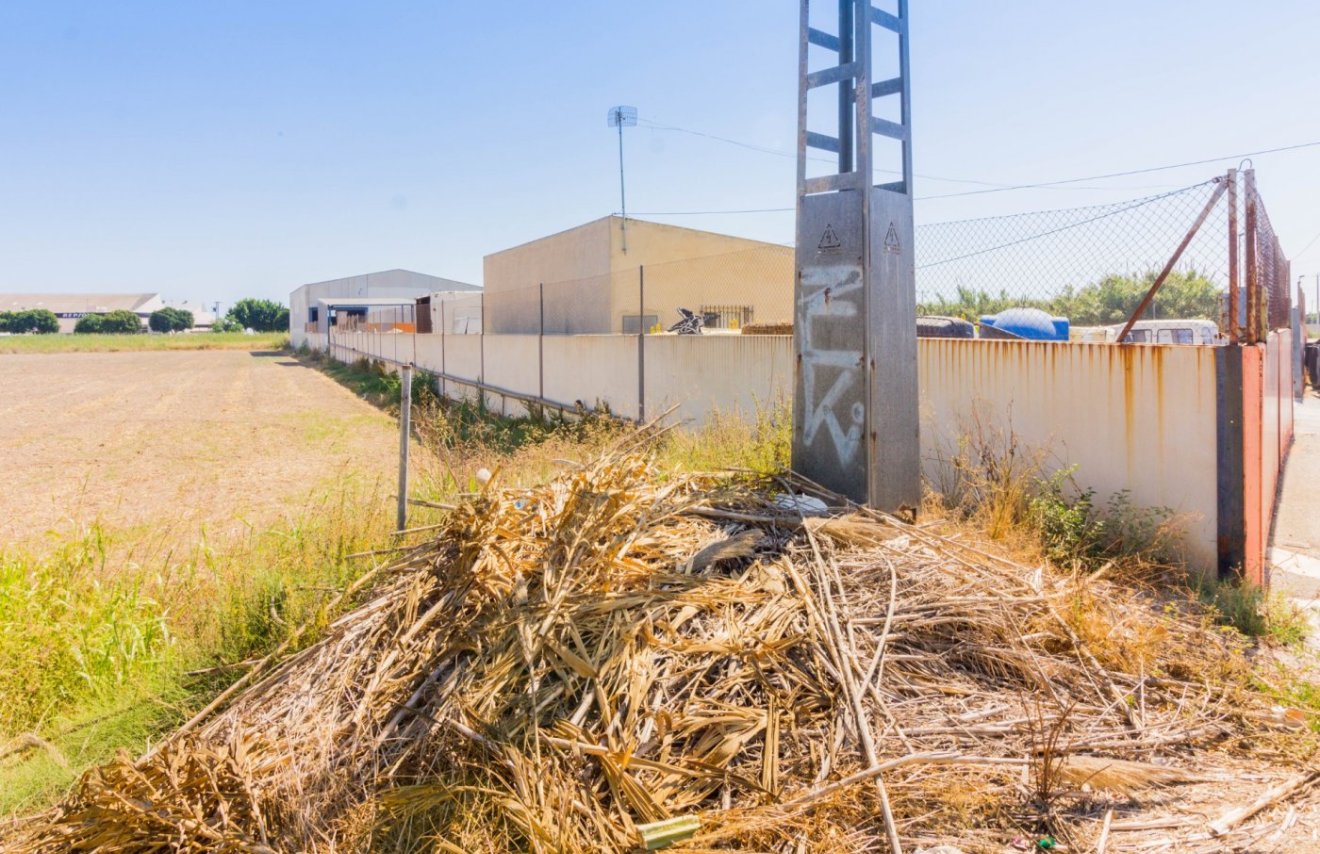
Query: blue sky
212	150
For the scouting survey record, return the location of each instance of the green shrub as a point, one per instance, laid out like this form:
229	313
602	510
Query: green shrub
1254	612
121	321
114	322
260	315
170	319
89	324
1068	527
38	320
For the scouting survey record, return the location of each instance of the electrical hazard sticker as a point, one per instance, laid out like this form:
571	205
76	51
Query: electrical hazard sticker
829	240
891	240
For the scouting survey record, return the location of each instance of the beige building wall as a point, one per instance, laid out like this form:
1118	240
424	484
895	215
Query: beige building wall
592	283
750	280
574	266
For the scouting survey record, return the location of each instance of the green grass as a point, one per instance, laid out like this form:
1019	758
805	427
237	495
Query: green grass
759	445
1253	612
98	636
123	343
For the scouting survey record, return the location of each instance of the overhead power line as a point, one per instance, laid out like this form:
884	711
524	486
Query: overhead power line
1147	171
1308	245
819	159
991	186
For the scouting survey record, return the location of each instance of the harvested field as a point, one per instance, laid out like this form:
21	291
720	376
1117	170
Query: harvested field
563	667
175	440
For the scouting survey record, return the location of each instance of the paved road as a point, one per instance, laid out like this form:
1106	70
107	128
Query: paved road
1295	547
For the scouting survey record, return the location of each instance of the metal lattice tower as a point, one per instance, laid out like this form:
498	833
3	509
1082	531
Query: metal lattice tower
855	419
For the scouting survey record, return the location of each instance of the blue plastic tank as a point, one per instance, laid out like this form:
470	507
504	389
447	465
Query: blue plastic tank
1030	324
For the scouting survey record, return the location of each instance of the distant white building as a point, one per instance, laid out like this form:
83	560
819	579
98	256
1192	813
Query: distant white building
69	308
371	298
203	317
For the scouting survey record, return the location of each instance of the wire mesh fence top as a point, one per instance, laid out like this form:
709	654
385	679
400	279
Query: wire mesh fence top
1091	264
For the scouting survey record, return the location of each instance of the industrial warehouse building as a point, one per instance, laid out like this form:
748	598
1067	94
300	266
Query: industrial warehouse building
385	299
589	279
69	308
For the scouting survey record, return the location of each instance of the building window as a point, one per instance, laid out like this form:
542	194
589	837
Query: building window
632	327
727	316
312	314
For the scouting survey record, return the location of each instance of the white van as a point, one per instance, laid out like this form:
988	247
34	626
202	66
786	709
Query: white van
1204	332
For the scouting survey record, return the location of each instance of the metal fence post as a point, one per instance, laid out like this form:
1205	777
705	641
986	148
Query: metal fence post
1253	282
481	343
1234	289
641	345
540	346
405	426
444	389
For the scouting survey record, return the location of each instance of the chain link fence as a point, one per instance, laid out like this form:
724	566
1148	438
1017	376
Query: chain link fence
1272	271
1096	265
731	292
1093	265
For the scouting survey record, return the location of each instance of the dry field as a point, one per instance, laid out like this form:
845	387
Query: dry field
175	441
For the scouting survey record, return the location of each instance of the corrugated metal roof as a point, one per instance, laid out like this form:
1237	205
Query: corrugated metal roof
349	302
76	303
425	281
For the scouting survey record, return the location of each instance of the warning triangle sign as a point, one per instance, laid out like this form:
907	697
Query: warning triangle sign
891	240
829	240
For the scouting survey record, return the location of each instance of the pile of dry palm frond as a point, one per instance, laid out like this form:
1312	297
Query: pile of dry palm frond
564	664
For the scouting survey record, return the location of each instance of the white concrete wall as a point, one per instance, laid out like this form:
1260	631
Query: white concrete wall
462	356
703	374
593	369
513	362
1139	418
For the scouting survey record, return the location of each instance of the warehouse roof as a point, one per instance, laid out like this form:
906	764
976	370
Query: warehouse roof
78	303
399	276
365	302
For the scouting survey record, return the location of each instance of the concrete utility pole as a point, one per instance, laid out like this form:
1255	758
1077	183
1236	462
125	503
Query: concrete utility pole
855	421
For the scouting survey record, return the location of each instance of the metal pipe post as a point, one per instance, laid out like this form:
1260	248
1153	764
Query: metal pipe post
405	428
1252	250
1234	290
623	198
846	56
540	347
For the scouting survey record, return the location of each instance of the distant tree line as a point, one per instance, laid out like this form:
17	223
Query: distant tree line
1188	295
120	321
33	320
260	315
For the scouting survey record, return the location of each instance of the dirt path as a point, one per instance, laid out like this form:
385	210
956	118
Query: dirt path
175	440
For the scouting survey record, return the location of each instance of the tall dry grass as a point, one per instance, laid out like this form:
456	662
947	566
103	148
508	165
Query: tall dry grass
110	636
